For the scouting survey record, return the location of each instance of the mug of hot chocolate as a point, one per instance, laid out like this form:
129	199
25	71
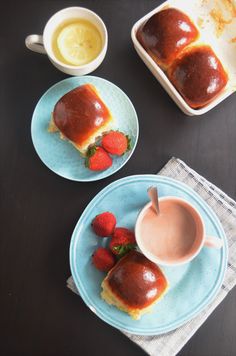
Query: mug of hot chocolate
172	234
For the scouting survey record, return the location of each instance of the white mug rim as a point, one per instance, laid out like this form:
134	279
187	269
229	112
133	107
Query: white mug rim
157	260
68	66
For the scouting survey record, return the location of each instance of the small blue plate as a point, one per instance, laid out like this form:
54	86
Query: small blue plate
191	286
61	156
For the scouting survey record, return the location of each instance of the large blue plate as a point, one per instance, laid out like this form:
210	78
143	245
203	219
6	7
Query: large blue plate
192	286
59	155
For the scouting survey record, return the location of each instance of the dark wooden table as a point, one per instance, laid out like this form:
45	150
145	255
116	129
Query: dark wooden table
39	315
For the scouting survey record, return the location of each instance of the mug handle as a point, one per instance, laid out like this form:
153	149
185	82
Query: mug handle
35	43
212	241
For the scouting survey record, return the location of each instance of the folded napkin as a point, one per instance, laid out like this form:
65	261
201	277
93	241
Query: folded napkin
171	343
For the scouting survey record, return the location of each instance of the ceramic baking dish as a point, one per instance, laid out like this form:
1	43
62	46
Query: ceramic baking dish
216	22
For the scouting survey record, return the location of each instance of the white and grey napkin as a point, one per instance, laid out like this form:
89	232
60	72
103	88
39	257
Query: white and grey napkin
171	343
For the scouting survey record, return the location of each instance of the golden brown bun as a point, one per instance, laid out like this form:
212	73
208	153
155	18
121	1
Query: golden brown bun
81	116
134	284
166	34
198	75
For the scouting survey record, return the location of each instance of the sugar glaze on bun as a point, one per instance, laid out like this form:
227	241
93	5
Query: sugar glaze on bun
134	284
81	116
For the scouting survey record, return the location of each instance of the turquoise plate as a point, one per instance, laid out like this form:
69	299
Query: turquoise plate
192	286
59	155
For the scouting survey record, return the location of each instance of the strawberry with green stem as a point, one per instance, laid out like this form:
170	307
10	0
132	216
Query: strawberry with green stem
97	159
123	241
116	143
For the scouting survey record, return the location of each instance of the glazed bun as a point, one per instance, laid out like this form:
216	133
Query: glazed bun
81	116
134	284
166	34
198	75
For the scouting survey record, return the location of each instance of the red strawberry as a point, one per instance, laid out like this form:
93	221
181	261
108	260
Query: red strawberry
103	259
98	159
123	240
104	224
116	143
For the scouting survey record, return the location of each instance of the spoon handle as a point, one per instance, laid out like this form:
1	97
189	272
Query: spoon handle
153	195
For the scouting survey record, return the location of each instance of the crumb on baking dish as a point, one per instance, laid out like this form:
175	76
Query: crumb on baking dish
200	22
223	13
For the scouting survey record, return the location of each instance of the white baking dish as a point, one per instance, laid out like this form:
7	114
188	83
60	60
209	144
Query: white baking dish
223	45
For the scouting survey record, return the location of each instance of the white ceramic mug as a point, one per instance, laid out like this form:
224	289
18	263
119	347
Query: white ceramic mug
200	238
43	43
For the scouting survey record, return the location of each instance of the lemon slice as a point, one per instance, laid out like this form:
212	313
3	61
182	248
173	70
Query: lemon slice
79	43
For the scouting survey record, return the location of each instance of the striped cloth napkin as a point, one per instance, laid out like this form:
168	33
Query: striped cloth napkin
171	343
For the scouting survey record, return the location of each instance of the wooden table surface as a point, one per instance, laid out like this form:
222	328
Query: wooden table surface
39	315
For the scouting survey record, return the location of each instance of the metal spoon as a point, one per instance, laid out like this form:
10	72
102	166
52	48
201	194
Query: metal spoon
153	195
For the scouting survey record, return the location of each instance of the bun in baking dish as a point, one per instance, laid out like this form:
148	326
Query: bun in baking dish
166	34
198	75
81	116
134	284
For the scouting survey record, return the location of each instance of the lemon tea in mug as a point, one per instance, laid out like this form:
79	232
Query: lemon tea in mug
76	42
74	39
